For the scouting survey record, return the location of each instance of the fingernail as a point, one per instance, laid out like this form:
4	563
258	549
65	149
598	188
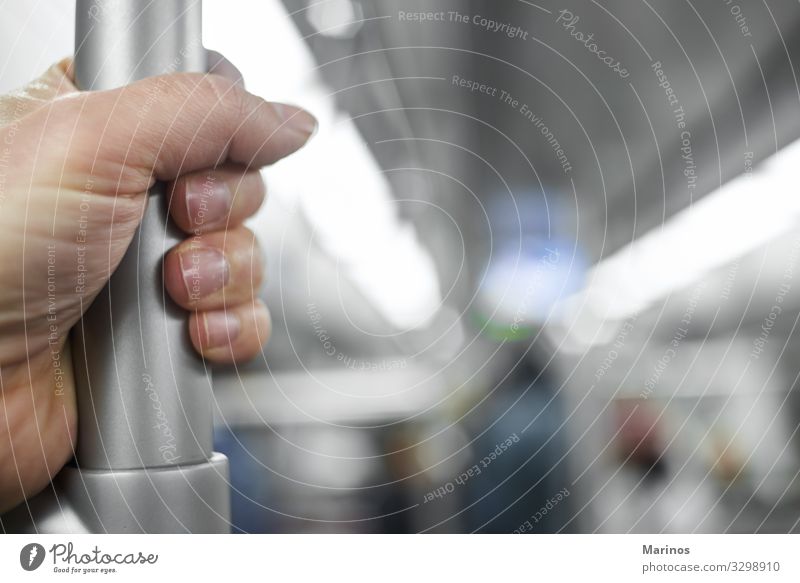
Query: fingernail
298	120
221	329
207	200
205	270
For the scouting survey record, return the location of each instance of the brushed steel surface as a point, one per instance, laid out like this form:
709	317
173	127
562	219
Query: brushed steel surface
181	499
143	396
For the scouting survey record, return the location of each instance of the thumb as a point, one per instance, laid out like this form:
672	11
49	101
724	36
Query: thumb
162	127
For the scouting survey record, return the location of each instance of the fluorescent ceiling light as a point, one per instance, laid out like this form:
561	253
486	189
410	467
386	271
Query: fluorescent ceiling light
744	214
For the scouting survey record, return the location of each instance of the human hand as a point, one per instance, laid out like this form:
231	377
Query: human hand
77	166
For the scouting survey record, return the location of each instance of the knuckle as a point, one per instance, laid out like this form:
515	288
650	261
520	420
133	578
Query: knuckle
225	92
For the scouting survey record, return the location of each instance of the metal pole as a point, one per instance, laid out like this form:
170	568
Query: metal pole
144	459
143	398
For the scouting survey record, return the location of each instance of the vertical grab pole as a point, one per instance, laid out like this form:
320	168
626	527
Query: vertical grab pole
144	400
144	461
